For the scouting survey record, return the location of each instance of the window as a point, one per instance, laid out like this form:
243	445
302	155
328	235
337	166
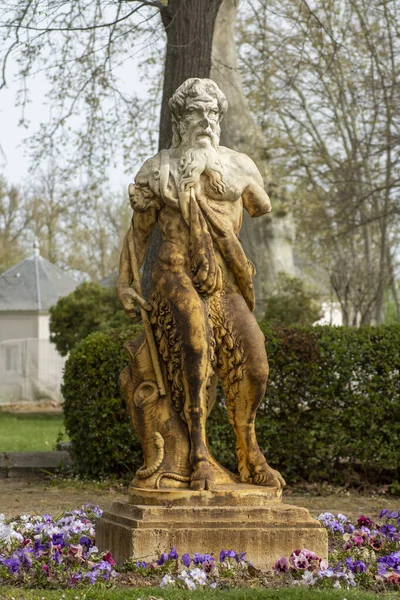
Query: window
11	358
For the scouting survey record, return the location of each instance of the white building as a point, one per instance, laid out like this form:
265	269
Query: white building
30	366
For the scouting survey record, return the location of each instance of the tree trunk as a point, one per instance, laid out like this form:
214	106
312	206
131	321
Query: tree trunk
268	240
189	25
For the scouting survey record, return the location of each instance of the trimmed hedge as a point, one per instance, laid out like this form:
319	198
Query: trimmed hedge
96	420
331	412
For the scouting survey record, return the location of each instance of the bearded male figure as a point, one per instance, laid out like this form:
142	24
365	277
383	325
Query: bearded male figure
203	298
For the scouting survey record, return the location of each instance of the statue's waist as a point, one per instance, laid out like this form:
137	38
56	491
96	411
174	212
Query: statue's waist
172	254
173	258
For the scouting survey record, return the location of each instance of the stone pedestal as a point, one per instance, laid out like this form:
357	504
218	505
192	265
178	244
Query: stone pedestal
251	519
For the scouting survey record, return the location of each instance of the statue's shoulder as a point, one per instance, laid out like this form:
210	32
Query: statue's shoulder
149	173
246	165
147	186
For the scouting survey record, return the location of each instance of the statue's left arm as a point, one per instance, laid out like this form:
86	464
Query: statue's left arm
255	199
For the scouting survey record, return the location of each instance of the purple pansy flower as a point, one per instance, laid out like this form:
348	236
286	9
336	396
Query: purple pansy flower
163	559
141	564
226	554
389	531
13	564
199	559
356	566
186	560
58	540
85	541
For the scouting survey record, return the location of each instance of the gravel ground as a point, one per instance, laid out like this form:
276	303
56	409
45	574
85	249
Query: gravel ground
36	495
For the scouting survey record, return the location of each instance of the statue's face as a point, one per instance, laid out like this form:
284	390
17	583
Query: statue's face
199	125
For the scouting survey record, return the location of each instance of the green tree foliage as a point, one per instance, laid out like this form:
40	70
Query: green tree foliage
331	412
292	303
89	308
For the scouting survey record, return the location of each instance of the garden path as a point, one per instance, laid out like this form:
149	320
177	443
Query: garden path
37	495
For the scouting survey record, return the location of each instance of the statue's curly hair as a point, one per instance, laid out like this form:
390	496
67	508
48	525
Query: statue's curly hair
191	88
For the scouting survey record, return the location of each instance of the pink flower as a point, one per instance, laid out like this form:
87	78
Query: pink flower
310	555
394	578
349	544
298	560
281	565
375	542
76	551
108	557
364	521
323	565
358	540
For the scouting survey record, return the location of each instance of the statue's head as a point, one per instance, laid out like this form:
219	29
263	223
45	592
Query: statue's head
197	108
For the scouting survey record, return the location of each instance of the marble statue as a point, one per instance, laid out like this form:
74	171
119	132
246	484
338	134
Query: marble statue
198	324
198	327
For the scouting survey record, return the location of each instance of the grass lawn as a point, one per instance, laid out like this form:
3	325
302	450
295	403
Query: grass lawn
171	594
30	432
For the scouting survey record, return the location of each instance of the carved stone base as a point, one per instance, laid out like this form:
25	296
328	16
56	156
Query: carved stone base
237	494
266	531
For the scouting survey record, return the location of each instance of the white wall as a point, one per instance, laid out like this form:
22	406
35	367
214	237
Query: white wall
44	327
17	325
30	366
30	370
332	314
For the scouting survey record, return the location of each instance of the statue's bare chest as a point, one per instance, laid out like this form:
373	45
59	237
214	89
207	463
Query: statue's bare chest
229	190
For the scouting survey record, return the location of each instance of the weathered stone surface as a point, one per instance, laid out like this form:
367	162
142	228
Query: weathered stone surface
265	532
14	464
238	494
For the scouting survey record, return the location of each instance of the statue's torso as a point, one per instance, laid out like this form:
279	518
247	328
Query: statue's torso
174	252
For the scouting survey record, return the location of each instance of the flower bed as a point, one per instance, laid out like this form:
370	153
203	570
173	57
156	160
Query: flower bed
44	552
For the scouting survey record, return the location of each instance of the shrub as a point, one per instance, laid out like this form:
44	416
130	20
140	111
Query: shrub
291	303
332	408
89	308
95	417
331	412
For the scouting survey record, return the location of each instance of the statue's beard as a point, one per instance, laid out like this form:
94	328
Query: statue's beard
198	160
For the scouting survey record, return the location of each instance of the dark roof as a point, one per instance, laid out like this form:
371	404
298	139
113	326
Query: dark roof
34	284
110	281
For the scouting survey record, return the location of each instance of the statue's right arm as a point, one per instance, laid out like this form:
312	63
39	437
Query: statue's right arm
138	235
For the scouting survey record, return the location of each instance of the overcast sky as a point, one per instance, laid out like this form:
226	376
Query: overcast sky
14	156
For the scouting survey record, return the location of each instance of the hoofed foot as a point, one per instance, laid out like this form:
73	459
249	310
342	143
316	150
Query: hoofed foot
265	475
202	477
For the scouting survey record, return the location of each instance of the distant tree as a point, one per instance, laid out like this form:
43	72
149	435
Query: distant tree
291	303
15	217
89	308
327	99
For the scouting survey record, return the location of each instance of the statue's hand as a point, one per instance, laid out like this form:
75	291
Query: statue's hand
131	302
206	275
200	269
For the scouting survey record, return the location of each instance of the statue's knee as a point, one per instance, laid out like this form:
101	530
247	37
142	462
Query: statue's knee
258	373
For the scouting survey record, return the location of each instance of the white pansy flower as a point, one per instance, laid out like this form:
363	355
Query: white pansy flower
308	578
92	550
337	585
167	580
198	575
7	534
